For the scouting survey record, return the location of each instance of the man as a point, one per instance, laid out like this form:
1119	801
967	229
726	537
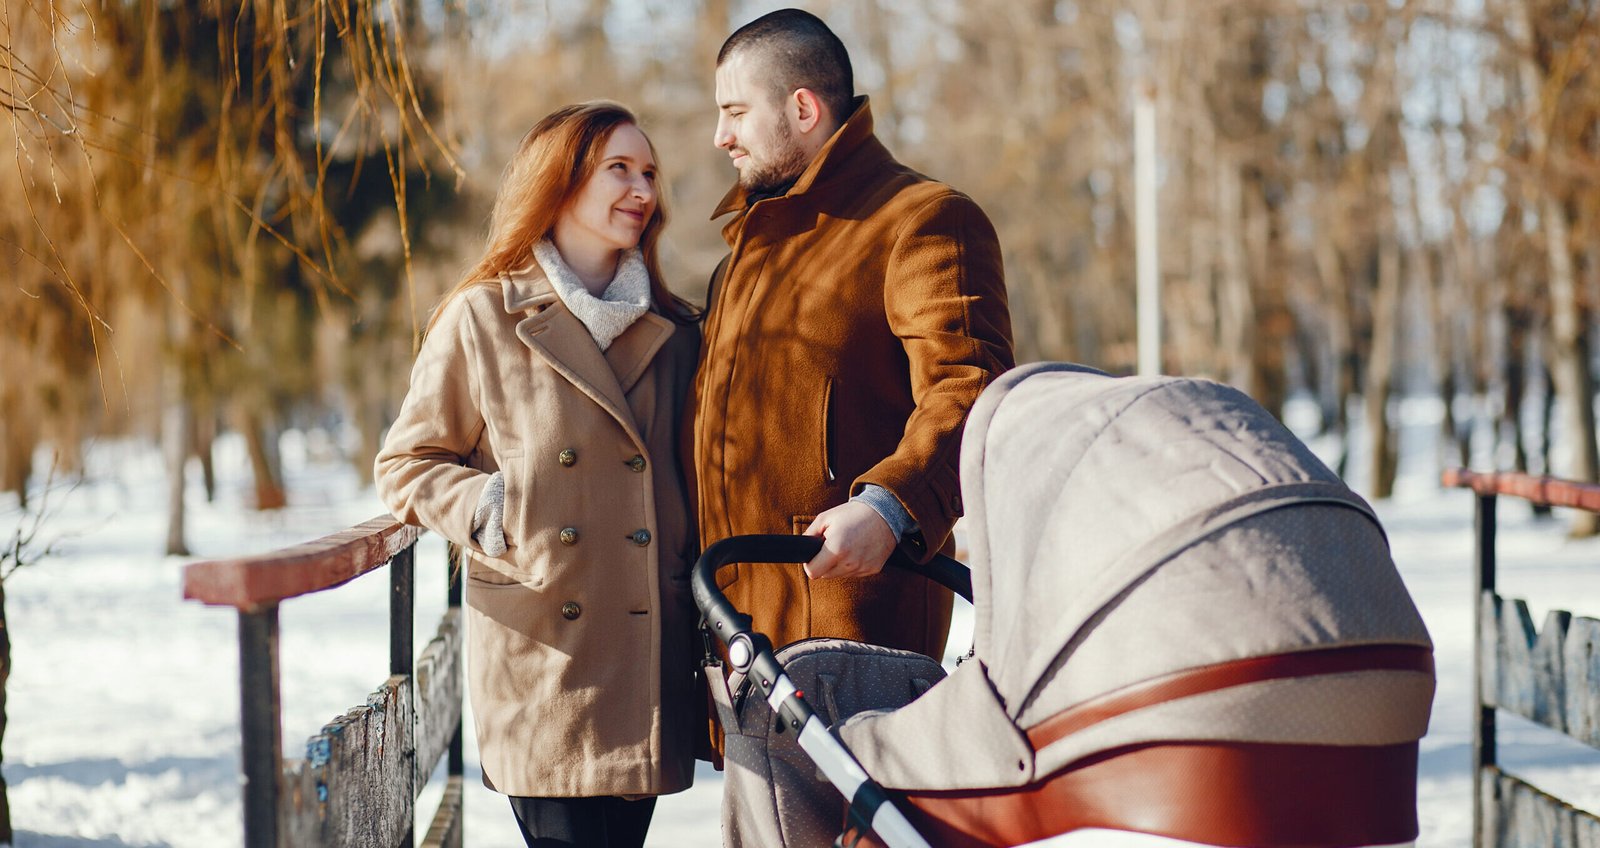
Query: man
861	310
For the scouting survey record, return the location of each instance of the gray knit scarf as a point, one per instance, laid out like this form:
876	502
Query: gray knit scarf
625	299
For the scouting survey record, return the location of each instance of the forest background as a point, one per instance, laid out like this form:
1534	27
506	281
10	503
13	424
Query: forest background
225	215
235	215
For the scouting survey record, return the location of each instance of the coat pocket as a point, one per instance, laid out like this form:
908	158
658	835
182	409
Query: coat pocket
484	574
514	468
825	429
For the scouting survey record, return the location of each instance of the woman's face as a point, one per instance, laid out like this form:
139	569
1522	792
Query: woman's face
615	203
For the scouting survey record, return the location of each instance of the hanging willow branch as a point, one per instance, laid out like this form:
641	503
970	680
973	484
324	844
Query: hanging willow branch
131	123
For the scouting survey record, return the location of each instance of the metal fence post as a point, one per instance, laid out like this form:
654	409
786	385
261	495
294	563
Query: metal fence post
402	659
1483	730
453	577
259	720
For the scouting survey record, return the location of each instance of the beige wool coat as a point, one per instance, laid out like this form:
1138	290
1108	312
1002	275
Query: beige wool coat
579	637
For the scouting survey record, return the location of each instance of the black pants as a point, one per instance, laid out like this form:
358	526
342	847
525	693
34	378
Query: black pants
603	822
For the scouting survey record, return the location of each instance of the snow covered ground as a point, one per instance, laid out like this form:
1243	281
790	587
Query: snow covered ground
124	704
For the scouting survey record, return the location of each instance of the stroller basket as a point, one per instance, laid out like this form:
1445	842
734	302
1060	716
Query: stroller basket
750	653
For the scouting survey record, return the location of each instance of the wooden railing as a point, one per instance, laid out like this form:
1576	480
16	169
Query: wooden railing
363	772
1547	675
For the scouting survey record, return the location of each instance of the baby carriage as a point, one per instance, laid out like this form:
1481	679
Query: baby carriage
1185	625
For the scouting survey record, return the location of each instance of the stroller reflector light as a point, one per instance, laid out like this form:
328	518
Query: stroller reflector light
780	692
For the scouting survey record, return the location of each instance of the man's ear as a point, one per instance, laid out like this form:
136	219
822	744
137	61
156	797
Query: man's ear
806	109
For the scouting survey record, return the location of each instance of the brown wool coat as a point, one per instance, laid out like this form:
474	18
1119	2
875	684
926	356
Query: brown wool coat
859	317
579	655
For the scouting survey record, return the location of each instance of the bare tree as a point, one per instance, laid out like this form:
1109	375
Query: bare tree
210	191
23	547
1540	90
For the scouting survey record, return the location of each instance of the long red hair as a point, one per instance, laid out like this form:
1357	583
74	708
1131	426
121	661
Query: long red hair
551	165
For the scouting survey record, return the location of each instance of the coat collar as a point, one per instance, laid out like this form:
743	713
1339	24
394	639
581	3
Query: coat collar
855	134
553	332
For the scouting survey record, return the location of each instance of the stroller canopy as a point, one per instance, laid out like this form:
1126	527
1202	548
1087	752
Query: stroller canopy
1122	529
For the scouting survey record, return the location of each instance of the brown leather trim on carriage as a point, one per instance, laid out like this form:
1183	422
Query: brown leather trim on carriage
1210	678
1213	792
1218	793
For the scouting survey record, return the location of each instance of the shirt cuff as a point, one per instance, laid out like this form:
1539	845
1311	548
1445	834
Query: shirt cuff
888	506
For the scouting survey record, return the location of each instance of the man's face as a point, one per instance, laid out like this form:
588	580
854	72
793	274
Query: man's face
753	126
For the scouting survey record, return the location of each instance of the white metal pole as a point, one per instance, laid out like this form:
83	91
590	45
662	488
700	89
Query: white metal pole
1148	258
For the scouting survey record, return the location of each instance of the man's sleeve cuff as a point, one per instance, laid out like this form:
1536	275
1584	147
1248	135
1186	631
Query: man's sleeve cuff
888	506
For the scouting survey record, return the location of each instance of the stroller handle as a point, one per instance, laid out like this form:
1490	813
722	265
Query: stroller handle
751	653
725	620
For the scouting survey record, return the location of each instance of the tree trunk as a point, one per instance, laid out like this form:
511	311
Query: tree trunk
264	466
1454	437
1547	411
16	463
1568	356
1308	348
1235	313
177	428
1569	359
1195	323
205	437
5	676
1446	345
1480	308
1336	296
1514	372
1273	321
366	413
1383	459
370	428
886	99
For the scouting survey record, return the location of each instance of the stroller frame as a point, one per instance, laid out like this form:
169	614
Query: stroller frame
750	652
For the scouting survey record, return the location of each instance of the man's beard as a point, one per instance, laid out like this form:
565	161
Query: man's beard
788	161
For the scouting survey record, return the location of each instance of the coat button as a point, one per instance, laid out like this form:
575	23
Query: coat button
569	535
567	458
637	463
641	537
570	610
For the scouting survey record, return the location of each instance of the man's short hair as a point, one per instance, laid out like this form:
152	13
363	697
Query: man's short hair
797	50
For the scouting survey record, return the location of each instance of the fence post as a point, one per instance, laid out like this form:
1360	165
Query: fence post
402	659
259	719
453	578
1483	730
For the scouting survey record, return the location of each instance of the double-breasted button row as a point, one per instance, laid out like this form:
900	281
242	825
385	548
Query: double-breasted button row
569	458
569	536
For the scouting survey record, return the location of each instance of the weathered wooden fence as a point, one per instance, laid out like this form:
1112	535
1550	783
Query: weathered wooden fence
359	782
1548	675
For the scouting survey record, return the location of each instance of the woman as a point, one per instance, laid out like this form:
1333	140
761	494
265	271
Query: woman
539	434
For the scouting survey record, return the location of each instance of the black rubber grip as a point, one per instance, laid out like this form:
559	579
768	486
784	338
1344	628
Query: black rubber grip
724	620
